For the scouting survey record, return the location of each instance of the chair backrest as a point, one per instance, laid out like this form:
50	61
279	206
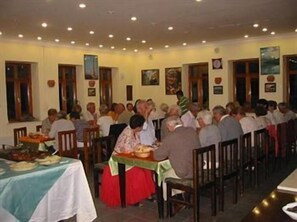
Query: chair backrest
38	128
18	133
116	129
245	149
281	129
107	143
291	132
261	143
68	144
228	157
88	135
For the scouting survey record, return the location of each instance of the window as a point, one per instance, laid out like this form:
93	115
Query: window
291	67
246	81
198	83
18	91
67	87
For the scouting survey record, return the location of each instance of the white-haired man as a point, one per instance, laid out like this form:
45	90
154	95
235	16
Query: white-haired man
174	110
189	118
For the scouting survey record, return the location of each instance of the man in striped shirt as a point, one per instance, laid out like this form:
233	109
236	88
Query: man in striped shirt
182	101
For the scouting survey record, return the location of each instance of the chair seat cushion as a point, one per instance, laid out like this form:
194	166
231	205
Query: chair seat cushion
100	166
184	182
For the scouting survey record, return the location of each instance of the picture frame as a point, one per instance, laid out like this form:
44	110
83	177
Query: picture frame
91	91
217	90
270	60
172	80
150	77
91	67
270	87
217	63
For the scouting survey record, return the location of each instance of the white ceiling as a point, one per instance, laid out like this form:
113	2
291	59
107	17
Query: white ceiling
193	22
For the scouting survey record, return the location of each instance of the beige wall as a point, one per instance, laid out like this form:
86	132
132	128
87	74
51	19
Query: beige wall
126	71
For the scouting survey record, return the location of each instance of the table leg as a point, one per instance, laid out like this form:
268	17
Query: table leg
122	183
159	190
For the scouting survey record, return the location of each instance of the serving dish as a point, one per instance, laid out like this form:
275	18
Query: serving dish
23	166
289	208
142	151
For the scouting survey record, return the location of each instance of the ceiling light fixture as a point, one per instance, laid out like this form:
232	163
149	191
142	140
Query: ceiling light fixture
128	39
87	44
295	30
170	28
112	47
124	49
72	42
20	36
272	33
57	40
264	29
166	46
69	29
203	41
44	24
0	33
255	25
246	36
82	5
92	32
135	50
143	41
198	0
100	46
184	44
110	36
151	48
39	38
133	18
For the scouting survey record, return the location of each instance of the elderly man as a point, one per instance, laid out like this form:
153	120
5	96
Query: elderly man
178	147
229	127
147	134
47	123
123	114
189	118
90	115
174	110
287	113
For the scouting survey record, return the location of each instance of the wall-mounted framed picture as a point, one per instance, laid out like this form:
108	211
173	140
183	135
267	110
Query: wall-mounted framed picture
150	77
91	91
172	80
217	90
270	87
217	63
91	66
129	92
269	57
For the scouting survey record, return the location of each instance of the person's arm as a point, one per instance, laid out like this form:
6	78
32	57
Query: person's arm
162	152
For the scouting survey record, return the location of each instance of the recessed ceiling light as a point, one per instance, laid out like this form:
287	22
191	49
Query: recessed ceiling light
69	28
20	36
143	41
198	0
166	46
203	41
170	28
100	46
184	44
92	32
124	49
72	42
39	38
133	18
135	50
272	33
87	44
128	39
246	36
110	36
44	24
264	29
112	47
295	30
255	25
151	48
57	40
0	33
82	5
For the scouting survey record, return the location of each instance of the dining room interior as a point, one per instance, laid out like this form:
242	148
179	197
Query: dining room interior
58	54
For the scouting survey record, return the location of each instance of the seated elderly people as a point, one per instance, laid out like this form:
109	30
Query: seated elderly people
124	115
79	125
274	114
90	115
285	110
178	147
47	123
174	110
229	127
261	119
141	184
189	118
104	121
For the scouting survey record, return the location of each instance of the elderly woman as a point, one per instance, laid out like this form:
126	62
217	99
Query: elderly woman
140	184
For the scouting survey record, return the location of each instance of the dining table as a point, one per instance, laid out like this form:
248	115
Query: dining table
289	185
45	193
38	143
121	161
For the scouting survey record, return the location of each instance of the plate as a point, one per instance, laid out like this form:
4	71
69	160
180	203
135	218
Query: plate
2	171
23	166
50	160
291	214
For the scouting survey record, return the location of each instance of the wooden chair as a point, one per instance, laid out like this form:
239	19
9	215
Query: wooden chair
100	158
18	133
67	144
245	162
282	143
204	177
228	168
260	153
272	146
291	139
88	135
38	128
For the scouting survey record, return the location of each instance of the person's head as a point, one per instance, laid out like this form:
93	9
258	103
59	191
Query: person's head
74	115
272	105
172	122
135	105
91	107
76	108
103	109
129	107
238	113
174	110
218	113
151	104
179	94
283	107
260	111
136	122
120	108
142	107
262	102
230	106
61	115
52	115
113	107
164	107
194	108
204	118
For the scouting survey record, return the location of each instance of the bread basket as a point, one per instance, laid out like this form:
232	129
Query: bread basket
142	151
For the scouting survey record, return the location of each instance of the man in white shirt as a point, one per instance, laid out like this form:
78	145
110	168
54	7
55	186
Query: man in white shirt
189	118
288	114
90	115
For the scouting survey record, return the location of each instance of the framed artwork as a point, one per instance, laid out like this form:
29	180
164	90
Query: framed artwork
217	63
150	77
91	91
129	92
91	66
172	80
217	90
269	57
270	87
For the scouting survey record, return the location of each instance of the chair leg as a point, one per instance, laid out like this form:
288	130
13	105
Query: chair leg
221	199
96	182
169	203
196	205
235	189
213	201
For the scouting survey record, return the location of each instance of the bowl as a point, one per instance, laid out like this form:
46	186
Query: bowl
291	214
142	154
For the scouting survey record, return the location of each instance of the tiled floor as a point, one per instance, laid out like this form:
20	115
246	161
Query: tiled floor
233	213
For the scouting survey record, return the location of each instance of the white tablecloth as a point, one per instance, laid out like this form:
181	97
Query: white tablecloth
70	195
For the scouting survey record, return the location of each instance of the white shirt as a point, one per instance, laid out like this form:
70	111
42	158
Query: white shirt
89	116
279	117
249	125
289	115
104	123
147	134
189	120
271	117
58	126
